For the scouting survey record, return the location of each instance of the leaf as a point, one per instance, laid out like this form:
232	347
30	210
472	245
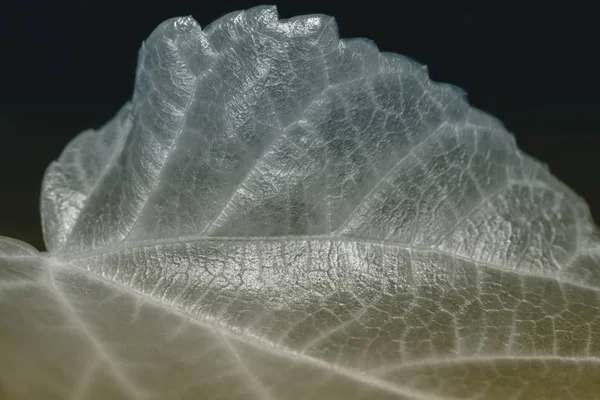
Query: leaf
281	214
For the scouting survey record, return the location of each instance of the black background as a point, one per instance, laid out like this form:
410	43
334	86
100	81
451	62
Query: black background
67	66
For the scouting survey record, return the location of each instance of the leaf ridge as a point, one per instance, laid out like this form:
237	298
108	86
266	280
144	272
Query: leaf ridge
170	151
384	178
284	130
73	258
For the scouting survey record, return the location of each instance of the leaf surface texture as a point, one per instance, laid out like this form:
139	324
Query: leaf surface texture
281	214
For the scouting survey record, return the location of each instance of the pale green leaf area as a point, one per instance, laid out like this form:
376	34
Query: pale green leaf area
281	214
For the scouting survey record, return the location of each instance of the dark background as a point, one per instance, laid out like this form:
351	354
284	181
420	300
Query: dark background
68	66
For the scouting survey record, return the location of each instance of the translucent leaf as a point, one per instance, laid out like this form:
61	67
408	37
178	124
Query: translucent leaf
281	214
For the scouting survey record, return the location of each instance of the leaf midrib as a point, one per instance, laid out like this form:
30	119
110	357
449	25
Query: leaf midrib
73	258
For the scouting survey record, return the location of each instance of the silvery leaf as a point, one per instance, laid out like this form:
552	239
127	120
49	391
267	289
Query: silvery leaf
281	214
